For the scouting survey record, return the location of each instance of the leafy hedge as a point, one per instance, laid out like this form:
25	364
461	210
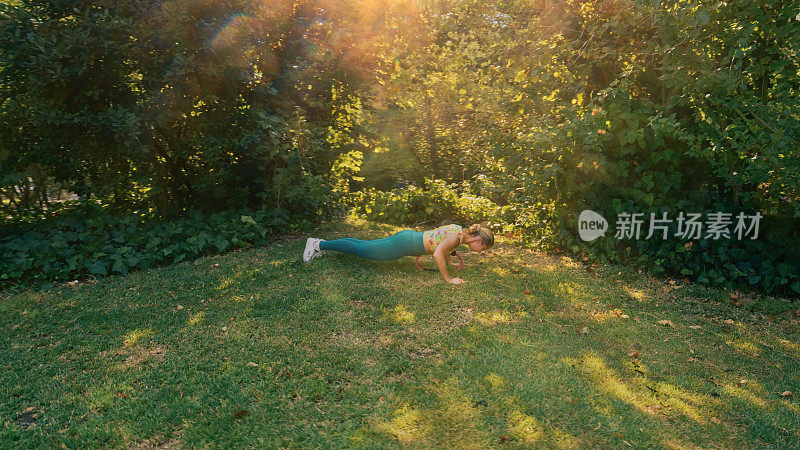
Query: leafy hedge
437	201
96	243
434	202
623	155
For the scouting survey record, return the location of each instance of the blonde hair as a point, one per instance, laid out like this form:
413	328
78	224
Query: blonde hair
485	233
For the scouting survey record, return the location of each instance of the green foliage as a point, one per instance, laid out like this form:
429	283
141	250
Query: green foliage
440	74
642	107
685	132
411	205
178	105
537	110
93	243
437	201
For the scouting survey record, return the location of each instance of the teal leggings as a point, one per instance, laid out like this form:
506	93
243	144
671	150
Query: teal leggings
404	243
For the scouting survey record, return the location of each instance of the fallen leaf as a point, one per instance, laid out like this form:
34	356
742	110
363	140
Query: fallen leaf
527	292
693	359
240	414
252	364
742	382
585	330
666	323
729	321
180	306
786	394
635	354
695	327
625	316
505	438
715	420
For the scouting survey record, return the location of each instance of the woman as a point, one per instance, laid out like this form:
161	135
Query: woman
438	242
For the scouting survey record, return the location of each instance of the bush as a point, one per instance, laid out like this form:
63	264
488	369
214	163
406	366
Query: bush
413	205
91	242
626	156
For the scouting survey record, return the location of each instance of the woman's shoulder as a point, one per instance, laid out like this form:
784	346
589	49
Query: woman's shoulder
451	227
444	230
455	229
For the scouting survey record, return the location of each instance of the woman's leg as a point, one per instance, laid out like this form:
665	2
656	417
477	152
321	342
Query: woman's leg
392	247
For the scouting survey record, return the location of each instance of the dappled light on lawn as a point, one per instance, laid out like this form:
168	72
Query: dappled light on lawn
133	338
524	426
352	353
609	381
499	317
637	294
745	392
406	426
401	315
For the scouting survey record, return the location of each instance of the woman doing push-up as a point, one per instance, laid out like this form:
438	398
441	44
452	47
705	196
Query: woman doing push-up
438	242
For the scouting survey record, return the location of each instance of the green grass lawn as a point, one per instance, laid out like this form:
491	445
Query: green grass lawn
258	348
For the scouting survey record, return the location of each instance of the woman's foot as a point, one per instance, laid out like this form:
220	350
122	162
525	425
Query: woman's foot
312	249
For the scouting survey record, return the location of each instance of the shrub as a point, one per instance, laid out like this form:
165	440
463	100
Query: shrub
91	242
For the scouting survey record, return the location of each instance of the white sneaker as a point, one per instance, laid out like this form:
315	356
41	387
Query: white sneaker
310	251
317	250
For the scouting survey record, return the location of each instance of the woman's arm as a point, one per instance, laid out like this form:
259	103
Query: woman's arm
440	255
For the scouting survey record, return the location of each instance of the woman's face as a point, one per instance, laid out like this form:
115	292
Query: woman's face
477	245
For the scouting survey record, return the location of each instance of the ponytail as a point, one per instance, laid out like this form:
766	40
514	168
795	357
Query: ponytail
485	233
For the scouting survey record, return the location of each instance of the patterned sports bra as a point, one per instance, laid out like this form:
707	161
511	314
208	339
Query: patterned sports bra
432	238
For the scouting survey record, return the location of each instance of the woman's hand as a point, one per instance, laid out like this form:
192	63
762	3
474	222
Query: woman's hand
440	255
